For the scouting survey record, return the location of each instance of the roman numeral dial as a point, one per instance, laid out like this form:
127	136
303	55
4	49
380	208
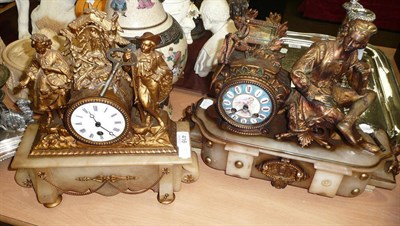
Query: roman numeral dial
97	121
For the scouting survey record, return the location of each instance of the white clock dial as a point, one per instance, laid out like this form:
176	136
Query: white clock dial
97	122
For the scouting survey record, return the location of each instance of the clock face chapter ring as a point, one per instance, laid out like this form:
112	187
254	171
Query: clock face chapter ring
246	104
97	121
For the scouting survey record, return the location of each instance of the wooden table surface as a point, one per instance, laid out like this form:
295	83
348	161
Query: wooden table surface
215	199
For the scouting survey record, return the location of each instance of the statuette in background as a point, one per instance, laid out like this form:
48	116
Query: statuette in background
184	12
215	16
316	109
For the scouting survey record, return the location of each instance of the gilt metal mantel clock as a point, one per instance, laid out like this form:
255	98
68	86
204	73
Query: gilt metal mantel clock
102	129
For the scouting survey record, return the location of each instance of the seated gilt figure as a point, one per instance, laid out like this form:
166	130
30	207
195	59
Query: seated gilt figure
328	78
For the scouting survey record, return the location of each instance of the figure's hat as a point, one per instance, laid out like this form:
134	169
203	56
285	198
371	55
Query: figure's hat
149	36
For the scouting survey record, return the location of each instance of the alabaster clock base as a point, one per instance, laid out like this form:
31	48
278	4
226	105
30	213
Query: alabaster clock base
53	176
345	171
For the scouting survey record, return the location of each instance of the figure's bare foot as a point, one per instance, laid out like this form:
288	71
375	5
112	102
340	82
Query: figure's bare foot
346	130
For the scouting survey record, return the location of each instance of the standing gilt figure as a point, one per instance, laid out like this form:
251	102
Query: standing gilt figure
152	83
51	74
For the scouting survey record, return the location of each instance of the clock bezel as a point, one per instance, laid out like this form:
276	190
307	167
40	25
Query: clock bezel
253	81
76	135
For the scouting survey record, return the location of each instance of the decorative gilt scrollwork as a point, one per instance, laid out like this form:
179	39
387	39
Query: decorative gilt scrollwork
102	179
282	172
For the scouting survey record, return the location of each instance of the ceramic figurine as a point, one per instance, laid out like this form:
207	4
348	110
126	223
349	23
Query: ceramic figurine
321	95
119	6
183	11
49	14
215	16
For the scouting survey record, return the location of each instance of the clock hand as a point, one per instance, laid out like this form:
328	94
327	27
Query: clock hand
98	124
234	111
111	133
245	109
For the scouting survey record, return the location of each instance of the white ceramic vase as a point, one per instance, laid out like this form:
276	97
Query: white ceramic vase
139	16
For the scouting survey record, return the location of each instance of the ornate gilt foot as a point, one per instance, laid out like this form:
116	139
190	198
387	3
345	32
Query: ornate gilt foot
54	204
166	198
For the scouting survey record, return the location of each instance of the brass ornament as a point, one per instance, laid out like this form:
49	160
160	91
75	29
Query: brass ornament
282	172
102	178
27	183
207	160
239	164
364	176
355	191
152	83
